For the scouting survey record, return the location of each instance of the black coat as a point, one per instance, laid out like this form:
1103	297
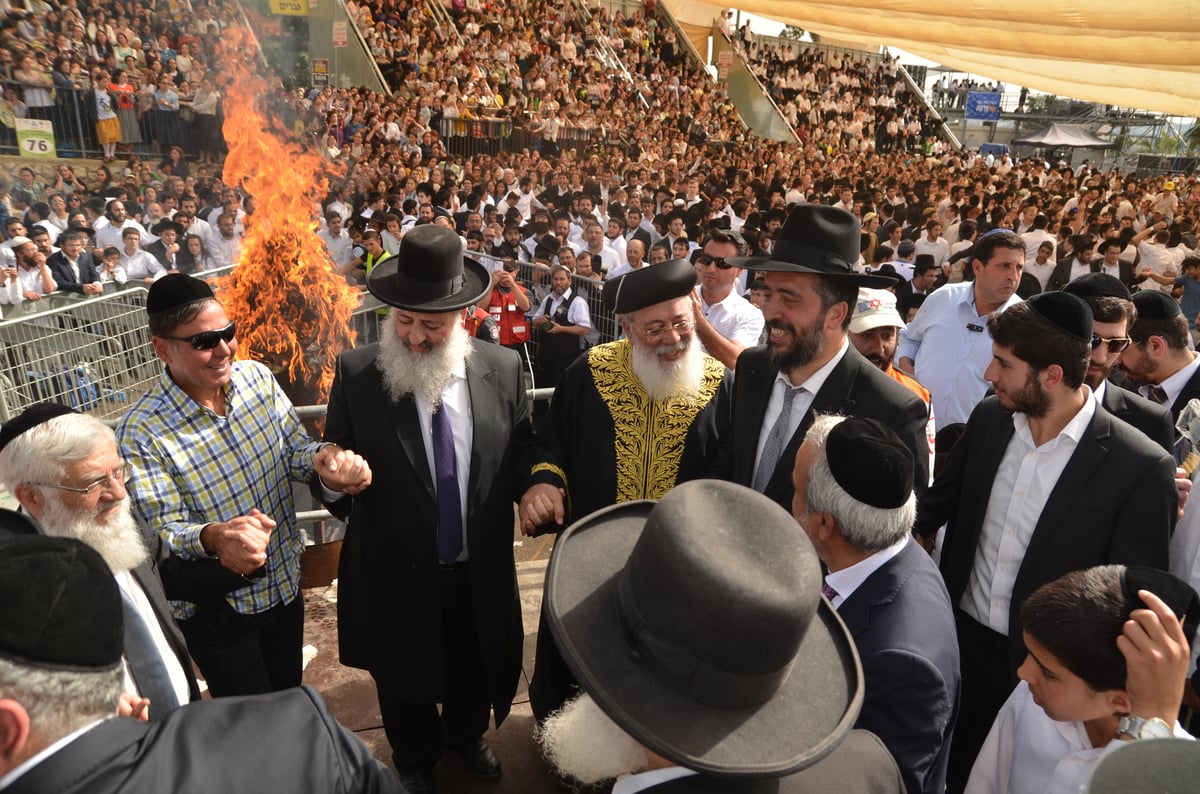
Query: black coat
855	387
64	277
1115	502
389	616
1152	419
285	741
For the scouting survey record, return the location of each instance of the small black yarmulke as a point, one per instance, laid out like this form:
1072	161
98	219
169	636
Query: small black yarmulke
175	290
1153	305
870	462
31	417
1066	312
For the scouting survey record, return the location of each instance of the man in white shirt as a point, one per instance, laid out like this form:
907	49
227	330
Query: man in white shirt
644	713
1042	482
139	264
947	347
932	243
726	323
561	318
337	241
225	247
115	221
1035	237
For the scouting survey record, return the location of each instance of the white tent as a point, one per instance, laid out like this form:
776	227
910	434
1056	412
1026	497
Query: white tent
1142	56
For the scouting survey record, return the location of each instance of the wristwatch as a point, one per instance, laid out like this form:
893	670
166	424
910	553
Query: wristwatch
1142	728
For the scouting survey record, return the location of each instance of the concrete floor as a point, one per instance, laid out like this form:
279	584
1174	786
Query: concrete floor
351	694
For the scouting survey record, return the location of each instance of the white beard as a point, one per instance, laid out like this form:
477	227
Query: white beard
581	742
115	536
408	373
663	379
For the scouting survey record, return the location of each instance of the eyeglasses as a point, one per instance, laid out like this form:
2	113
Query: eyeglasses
681	328
708	259
207	340
122	474
1115	345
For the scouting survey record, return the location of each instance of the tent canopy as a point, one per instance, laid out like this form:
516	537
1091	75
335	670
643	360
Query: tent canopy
1143	57
1059	135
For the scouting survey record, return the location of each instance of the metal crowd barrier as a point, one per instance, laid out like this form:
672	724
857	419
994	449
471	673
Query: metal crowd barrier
93	354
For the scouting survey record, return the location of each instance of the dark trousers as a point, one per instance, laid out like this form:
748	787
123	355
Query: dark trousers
986	684
415	731
247	654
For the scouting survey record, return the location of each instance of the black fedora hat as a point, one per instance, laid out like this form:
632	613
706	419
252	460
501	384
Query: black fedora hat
164	224
712	648
819	239
429	273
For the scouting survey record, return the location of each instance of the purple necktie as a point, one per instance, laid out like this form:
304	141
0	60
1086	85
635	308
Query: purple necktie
828	591
450	540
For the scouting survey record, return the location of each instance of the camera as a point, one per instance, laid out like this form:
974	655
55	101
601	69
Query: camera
547	324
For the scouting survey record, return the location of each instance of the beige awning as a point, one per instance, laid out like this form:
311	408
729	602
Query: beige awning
1145	55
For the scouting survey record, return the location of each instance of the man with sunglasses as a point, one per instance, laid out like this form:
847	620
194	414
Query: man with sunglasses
1112	311
215	447
726	323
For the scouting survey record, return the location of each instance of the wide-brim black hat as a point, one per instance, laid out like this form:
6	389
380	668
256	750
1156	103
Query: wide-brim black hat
430	273
164	224
818	239
712	648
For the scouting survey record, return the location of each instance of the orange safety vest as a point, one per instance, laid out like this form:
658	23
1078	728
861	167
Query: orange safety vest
913	386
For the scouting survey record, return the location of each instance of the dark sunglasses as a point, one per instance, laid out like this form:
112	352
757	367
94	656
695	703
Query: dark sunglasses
708	259
1115	345
207	340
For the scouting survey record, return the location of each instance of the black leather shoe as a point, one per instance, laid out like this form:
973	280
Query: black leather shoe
419	781
480	758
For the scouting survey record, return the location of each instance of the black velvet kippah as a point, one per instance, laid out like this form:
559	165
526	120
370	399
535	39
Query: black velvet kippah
1098	285
1174	592
1152	305
1066	312
649	285
62	609
175	290
30	418
870	462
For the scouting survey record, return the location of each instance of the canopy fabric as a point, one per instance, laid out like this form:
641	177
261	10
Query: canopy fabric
1142	57
1058	135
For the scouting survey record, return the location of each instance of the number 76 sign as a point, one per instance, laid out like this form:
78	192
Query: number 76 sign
35	138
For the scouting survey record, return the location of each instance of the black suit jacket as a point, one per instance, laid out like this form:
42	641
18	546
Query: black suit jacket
285	741
1149	417
64	277
640	234
1190	390
1115	502
859	763
389	597
1124	269
903	627
855	387
147	575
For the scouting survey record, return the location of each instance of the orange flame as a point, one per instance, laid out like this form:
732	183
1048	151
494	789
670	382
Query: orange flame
294	308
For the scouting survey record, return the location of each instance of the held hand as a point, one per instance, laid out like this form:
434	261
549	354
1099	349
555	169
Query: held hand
241	543
342	470
133	706
93	289
1183	484
540	505
1156	659
32	296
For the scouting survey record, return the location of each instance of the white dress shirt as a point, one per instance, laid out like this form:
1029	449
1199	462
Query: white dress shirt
1023	482
577	311
803	400
644	780
1026	752
734	318
175	672
1173	385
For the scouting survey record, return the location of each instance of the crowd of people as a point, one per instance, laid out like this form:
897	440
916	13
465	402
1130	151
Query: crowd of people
941	390
115	77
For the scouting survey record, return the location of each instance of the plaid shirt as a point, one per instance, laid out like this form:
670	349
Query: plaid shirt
193	468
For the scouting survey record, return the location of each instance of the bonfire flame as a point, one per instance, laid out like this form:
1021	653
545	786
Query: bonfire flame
291	308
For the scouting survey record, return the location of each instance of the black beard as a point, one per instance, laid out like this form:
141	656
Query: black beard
807	344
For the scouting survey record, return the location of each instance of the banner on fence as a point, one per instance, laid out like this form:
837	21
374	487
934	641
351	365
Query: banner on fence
35	138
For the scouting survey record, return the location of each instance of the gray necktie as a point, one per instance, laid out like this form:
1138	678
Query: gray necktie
145	663
776	440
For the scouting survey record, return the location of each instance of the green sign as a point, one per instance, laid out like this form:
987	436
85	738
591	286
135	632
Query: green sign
35	138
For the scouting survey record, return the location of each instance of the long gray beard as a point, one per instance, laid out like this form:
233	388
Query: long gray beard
581	742
663	379
426	374
116	537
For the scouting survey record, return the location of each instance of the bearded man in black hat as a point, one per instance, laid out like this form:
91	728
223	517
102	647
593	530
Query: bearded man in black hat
808	365
623	424
1043	481
427	597
708	660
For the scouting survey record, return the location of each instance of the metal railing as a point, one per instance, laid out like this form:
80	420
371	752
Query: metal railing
70	111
